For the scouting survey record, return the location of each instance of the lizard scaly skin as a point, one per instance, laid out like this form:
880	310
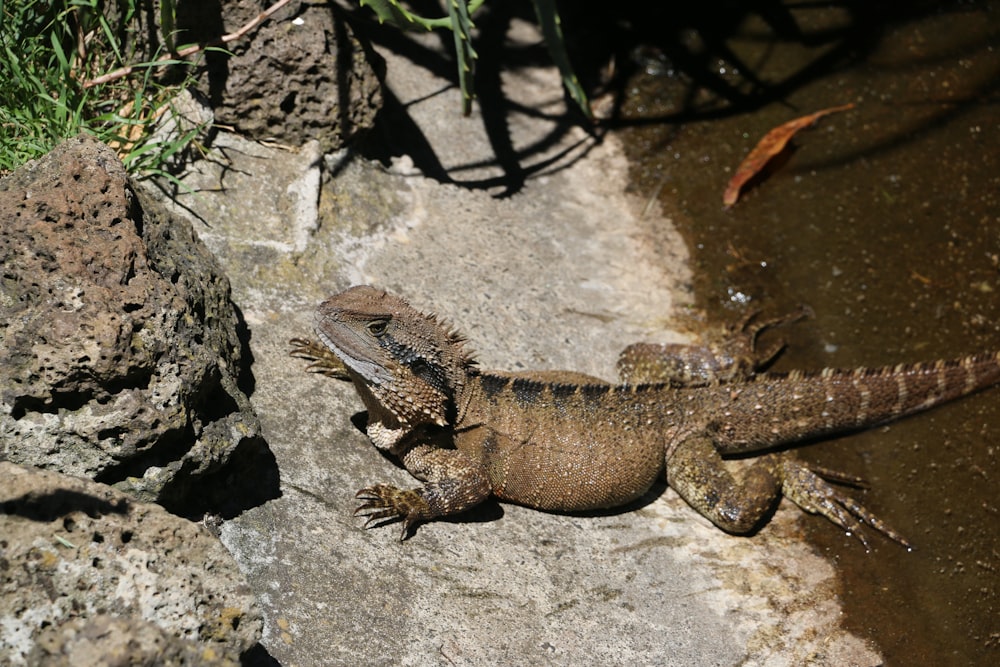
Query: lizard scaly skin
565	441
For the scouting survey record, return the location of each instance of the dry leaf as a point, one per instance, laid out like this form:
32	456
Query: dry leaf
773	143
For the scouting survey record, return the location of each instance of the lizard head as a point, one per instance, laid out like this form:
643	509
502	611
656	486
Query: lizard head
403	362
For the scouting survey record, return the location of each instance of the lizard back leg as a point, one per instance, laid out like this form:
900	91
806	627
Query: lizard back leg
738	504
732	358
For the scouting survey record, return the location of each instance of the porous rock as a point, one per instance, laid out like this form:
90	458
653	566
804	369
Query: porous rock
299	76
112	641
120	358
87	572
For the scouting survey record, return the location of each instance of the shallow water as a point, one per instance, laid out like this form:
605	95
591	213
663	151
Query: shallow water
885	220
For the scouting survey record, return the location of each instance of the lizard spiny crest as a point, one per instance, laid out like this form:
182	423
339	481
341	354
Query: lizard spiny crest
413	364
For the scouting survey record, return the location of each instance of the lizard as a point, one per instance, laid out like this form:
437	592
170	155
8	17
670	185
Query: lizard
566	441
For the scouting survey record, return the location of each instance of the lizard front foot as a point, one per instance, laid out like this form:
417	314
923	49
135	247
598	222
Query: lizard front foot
383	501
322	359
808	489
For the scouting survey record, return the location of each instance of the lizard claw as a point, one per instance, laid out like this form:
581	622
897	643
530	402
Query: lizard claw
322	360
808	490
383	501
745	333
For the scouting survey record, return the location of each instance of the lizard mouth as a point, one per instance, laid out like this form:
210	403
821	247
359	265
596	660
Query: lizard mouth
349	348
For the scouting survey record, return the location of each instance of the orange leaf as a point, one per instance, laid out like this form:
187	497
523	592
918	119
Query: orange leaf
773	143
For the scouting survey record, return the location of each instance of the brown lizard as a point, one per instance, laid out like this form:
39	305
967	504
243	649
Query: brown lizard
565	441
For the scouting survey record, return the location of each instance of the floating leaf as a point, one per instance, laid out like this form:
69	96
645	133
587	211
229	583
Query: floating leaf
771	145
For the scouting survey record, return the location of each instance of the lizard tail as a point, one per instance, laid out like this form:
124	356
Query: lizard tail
834	400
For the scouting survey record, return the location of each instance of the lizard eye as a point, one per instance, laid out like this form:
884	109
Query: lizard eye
377	327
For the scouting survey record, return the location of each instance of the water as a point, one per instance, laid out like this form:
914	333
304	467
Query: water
885	220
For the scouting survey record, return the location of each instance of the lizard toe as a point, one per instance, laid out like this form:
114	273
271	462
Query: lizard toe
813	494
385	502
322	360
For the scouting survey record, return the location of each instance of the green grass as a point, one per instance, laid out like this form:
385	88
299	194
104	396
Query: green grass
48	50
52	51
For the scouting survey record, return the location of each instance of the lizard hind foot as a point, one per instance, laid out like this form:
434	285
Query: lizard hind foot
731	357
751	326
383	501
743	337
808	489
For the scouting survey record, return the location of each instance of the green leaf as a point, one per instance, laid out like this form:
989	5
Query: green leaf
59	52
109	36
168	22
395	15
461	27
548	20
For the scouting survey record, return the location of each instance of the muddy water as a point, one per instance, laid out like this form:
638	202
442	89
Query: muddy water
885	220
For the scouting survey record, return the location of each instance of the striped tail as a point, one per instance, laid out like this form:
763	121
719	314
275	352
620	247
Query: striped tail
773	409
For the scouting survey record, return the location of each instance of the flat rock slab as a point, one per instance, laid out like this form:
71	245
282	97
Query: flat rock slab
563	274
